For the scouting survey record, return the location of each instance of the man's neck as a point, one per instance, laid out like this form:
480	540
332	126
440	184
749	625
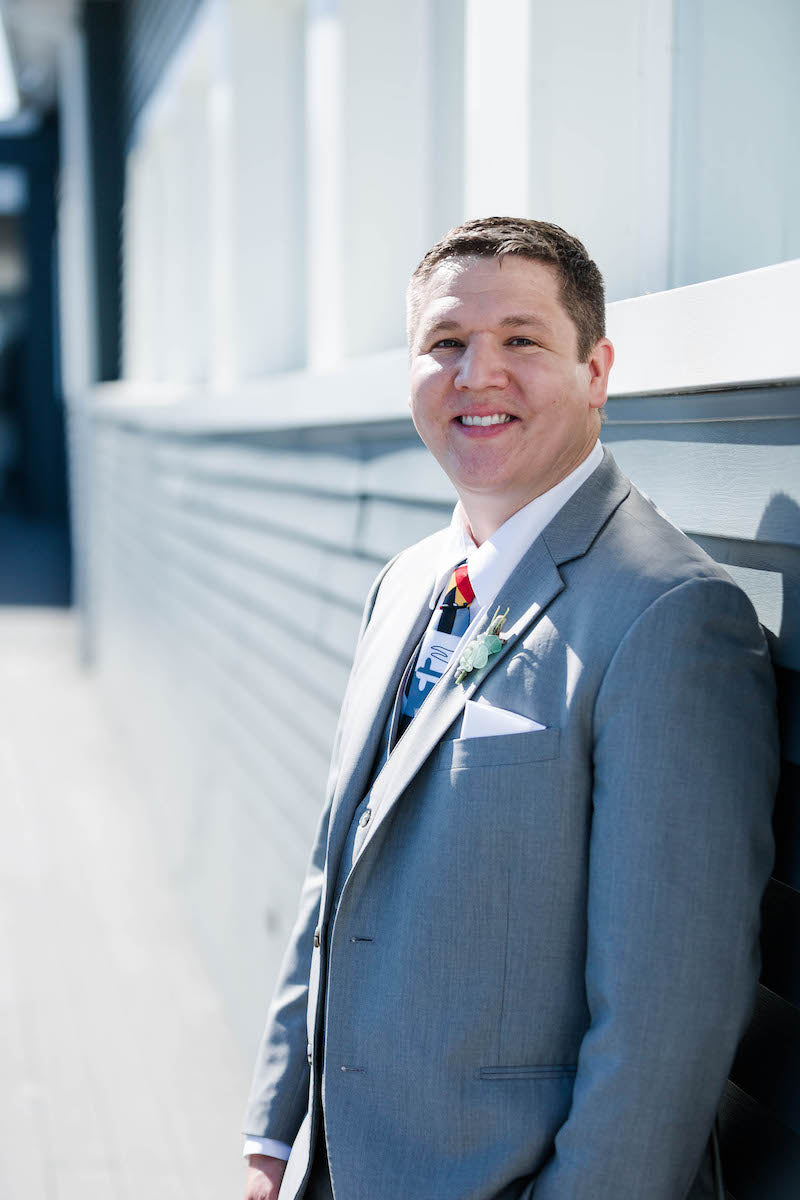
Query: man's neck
484	513
484	519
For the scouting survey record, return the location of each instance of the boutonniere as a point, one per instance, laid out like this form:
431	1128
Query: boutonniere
476	653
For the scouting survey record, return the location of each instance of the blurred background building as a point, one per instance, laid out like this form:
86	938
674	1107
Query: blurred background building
208	215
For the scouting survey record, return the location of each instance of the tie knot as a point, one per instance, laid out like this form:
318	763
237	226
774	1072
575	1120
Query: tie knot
459	589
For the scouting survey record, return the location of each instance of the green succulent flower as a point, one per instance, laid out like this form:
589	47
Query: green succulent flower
480	657
477	653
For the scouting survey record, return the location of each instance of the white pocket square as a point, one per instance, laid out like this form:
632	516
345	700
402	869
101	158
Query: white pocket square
482	719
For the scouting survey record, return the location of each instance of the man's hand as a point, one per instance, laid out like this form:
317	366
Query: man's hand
264	1177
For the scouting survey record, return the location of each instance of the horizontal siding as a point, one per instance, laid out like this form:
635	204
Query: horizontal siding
728	471
228	580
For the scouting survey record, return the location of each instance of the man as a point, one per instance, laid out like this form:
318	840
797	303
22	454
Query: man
527	944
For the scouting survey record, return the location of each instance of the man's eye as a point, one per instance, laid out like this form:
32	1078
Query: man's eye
446	344
522	341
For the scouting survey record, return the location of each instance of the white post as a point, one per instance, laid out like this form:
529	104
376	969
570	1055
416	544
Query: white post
737	108
194	187
654	215
599	132
498	120
76	265
176	246
135	264
221	228
149	260
445	121
77	314
325	153
369	170
386	164
267	214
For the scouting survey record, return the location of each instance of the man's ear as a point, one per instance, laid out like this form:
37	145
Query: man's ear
599	363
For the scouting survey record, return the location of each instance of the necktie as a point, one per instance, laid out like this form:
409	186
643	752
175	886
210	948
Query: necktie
439	643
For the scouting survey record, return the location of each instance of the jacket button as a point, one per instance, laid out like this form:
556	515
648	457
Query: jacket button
316	938
365	817
308	1053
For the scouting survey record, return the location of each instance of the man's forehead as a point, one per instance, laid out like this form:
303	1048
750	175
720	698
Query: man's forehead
500	282
501	272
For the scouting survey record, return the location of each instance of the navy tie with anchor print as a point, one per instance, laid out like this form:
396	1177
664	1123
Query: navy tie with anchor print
439	643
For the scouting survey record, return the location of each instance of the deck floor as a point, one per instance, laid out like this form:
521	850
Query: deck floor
120	1076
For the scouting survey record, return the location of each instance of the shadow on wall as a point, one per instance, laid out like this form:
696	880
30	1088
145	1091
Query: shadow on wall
760	1110
780	526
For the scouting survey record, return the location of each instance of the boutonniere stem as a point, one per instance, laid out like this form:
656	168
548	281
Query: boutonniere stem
476	653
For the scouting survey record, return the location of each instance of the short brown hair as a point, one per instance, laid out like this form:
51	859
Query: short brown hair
582	291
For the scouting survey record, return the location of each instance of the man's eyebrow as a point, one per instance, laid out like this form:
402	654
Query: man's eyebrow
441	326
517	319
514	321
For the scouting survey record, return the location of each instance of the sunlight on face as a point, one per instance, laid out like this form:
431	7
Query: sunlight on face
498	393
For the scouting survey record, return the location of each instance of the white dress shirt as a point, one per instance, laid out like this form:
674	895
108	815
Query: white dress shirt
488	566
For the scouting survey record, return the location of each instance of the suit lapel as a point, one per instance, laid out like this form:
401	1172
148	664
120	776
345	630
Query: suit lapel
388	644
529	590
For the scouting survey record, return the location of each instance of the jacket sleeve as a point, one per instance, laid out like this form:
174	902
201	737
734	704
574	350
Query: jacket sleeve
279	1090
685	770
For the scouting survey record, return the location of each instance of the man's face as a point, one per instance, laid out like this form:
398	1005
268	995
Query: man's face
492	339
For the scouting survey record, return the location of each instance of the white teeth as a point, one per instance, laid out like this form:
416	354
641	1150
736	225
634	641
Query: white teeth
495	419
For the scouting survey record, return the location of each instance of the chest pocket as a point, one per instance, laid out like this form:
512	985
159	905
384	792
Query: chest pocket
505	749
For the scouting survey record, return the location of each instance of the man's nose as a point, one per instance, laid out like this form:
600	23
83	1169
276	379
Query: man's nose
481	366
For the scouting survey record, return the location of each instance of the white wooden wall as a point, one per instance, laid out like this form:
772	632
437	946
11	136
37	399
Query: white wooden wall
298	159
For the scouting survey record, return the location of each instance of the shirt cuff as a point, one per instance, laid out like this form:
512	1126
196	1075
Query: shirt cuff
259	1145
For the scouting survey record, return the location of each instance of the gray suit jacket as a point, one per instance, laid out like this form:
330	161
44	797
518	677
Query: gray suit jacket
545	945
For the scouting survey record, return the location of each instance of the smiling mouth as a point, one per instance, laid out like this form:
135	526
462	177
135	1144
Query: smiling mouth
494	419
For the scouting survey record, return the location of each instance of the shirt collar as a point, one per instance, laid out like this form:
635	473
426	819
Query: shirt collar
490	564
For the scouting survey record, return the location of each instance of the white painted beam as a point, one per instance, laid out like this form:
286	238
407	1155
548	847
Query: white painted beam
740	330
